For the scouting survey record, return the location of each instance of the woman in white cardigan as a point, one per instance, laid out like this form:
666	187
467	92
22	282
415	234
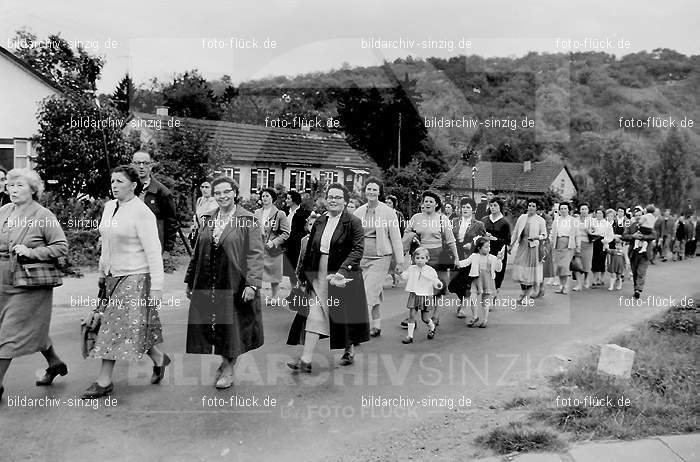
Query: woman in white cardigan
131	276
382	241
527	269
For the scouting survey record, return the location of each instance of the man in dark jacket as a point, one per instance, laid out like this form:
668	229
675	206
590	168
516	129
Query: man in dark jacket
636	233
482	208
159	199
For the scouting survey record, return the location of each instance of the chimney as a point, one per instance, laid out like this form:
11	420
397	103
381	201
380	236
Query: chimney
162	110
527	166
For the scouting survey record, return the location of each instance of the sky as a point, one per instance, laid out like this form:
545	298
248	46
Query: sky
249	40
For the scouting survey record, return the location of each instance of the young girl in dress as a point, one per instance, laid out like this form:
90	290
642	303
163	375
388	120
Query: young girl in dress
483	270
616	263
421	280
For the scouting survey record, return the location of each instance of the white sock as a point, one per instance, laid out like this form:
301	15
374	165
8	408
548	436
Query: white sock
411	328
431	324
378	323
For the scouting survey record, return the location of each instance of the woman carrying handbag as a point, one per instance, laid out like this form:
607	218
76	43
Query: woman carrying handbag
31	239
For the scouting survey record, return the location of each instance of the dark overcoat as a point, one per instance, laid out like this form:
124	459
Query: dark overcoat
349	321
219	319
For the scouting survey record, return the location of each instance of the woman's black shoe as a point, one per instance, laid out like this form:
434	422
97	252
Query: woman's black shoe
159	371
347	359
299	366
96	391
51	373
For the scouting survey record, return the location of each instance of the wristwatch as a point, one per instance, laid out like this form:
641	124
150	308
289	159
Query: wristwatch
255	289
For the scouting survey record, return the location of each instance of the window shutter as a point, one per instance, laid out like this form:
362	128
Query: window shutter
307	186
253	179
271	179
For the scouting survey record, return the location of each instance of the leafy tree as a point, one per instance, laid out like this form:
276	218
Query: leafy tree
190	95
123	95
183	155
673	181
620	177
72	69
78	143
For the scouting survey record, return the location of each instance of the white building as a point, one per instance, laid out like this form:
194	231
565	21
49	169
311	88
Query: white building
21	91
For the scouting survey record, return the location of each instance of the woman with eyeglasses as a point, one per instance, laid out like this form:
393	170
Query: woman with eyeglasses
223	283
332	274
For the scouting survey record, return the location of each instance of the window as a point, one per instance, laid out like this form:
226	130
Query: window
234	174
328	176
261	178
562	185
299	180
22	154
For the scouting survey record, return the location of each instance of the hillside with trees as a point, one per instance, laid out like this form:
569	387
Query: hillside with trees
576	101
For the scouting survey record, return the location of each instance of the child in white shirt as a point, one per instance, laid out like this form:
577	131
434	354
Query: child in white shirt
421	280
484	267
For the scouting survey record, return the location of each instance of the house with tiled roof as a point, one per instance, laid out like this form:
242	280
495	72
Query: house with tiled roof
22	90
261	157
523	180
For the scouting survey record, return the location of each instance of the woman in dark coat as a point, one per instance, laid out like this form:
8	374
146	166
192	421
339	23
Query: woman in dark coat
466	228
332	274
223	283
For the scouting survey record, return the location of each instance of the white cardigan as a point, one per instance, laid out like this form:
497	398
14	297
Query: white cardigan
475	260
130	243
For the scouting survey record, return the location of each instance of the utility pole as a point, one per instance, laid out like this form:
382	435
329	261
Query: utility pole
399	147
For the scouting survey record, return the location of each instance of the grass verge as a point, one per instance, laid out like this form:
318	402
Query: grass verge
660	398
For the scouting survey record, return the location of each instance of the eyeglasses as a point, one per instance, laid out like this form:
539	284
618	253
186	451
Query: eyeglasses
335	198
3	179
226	192
142	163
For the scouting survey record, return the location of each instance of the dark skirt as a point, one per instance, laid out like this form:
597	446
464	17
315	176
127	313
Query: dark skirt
599	254
461	282
420	302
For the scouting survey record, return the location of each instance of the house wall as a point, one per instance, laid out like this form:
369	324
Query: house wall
20	93
566	190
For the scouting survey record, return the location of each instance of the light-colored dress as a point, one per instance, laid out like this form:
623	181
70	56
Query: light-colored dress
275	228
527	266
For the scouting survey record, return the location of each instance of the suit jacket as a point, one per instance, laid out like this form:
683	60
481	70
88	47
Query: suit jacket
276	229
482	211
44	237
349	321
160	200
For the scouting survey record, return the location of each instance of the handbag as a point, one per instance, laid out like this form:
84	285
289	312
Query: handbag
32	273
576	264
445	259
278	249
295	300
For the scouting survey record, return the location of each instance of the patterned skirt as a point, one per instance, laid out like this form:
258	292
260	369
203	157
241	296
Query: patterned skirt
130	327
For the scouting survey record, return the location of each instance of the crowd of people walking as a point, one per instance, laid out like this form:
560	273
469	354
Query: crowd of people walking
337	261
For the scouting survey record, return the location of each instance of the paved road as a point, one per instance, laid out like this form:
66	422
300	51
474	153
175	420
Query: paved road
186	418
